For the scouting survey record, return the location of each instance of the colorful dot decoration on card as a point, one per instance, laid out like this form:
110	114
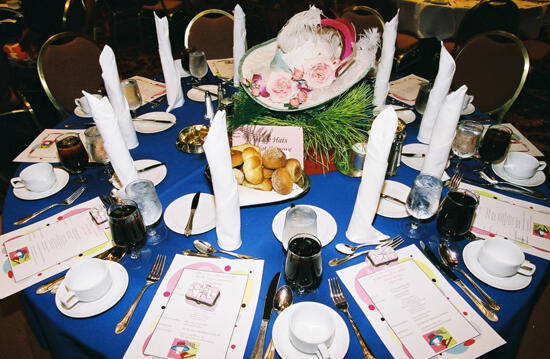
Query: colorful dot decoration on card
166	294
227	268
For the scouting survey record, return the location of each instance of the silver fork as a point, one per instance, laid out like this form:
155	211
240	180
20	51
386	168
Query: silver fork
341	303
455	180
393	243
69	200
153	277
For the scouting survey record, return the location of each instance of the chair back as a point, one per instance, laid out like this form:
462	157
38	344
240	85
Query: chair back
494	66
67	64
212	32
363	18
488	15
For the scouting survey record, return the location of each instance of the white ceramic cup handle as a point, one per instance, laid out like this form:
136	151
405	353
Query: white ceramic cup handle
322	352
527	268
69	300
542	165
77	102
17	182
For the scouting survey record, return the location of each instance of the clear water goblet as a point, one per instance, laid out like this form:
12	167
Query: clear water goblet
96	150
466	141
197	65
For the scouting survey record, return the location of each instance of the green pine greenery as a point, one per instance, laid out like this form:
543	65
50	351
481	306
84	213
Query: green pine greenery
331	128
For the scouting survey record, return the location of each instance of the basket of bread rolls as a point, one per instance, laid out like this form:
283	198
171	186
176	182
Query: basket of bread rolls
265	170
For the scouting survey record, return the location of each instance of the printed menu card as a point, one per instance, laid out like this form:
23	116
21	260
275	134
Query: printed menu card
416	310
43	248
200	316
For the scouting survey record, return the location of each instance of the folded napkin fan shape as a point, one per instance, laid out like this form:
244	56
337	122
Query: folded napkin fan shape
382	133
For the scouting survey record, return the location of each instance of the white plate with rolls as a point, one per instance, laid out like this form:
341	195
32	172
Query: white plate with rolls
271	186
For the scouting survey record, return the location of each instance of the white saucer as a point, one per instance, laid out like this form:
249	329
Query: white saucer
326	225
286	350
61	176
198	95
89	309
80	112
389	208
177	213
515	282
407	116
534	181
155	175
468	110
416	163
154	127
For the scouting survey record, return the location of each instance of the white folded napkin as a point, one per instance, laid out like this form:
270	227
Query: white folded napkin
381	136
381	86
228	211
443	134
105	120
438	93
174	93
116	97
239	41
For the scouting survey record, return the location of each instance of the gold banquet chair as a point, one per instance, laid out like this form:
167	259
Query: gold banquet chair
67	64
212	32
494	65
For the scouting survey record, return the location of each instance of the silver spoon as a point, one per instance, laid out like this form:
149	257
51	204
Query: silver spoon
206	248
283	299
450	257
349	249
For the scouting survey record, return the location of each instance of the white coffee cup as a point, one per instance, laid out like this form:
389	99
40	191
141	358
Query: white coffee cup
86	281
522	165
467	101
503	258
312	330
39	177
82	102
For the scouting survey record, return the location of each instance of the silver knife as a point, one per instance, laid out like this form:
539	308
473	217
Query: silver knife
137	119
414	155
524	191
488	312
194	204
151	167
258	351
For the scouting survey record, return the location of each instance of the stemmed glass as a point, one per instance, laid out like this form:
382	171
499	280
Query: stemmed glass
130	89
495	144
422	203
72	154
197	65
128	231
143	192
456	214
466	140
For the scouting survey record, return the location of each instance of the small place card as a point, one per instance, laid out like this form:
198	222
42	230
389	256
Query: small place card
150	90
290	139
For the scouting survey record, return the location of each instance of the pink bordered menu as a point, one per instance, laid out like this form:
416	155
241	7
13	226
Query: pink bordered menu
356	276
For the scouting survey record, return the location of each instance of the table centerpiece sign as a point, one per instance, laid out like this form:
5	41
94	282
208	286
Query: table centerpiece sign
239	41
8	285
43	149
352	276
381	85
360	228
121	109
289	139
114	144
252	270
439	91
218	155
174	93
200	316
443	134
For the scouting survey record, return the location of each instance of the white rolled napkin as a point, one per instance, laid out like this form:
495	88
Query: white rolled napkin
443	134
381	86
116	97
174	93
228	211
239	41
105	120
381	136
439	91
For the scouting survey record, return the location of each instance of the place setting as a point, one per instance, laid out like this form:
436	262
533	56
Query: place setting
39	181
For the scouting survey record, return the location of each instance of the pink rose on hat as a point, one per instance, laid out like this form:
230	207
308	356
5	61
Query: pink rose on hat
319	72
281	87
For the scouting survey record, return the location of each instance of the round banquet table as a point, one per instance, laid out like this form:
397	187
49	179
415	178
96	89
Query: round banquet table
425	19
95	337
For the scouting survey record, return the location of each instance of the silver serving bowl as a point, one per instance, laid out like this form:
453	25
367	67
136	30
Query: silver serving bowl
191	139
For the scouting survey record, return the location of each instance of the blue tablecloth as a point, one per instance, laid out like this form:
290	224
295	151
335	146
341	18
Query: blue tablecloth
334	192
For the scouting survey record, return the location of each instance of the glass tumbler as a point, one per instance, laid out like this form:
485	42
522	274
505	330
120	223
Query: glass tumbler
422	97
130	89
143	192
456	214
299	219
96	149
303	264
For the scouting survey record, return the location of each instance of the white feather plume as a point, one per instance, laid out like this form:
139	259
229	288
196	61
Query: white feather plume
300	28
